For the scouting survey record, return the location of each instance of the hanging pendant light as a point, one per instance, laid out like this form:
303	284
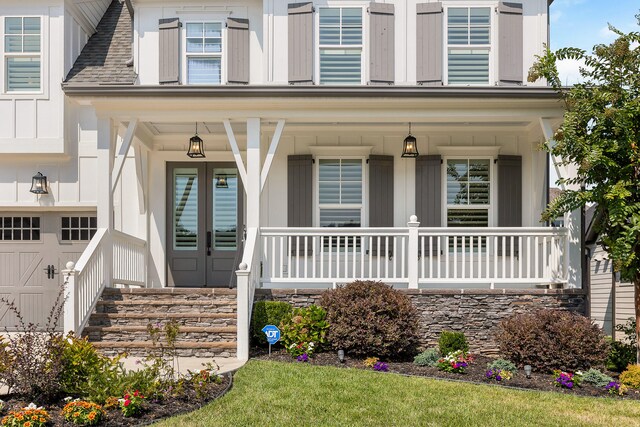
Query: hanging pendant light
39	184
410	146
196	146
221	181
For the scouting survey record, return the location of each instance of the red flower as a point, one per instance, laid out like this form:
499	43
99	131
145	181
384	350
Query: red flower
135	393
127	403
127	397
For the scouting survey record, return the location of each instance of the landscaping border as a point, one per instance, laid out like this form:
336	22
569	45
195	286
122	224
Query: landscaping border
476	312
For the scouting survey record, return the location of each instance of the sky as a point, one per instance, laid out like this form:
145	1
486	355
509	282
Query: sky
584	23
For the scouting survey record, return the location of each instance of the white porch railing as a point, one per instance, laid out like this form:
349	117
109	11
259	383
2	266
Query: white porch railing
111	257
248	276
415	257
129	260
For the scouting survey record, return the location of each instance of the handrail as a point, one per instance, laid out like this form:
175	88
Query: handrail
86	281
248	276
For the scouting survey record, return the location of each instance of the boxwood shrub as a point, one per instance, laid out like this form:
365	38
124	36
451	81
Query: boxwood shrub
550	339
267	313
371	319
451	341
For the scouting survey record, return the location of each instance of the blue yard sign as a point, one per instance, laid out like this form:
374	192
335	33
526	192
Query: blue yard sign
273	334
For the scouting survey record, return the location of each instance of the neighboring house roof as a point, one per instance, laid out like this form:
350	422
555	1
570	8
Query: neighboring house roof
590	221
554	193
103	60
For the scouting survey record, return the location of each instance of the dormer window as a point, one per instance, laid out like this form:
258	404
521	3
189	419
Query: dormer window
22	54
203	53
469	43
340	45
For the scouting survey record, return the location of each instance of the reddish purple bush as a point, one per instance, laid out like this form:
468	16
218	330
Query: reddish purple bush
369	318
552	339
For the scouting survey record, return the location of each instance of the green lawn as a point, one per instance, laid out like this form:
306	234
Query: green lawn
280	394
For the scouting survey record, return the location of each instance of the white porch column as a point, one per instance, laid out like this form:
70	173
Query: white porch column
412	269
106	149
252	188
572	220
253	173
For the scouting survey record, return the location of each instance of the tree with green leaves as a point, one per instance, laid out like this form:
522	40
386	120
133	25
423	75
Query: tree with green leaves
600	135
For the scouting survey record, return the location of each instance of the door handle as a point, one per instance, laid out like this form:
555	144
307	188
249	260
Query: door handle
51	271
208	243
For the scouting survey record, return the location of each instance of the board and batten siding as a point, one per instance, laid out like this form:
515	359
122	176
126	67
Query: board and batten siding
602	303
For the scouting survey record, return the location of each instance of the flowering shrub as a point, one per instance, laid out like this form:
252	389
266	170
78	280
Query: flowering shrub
380	367
199	380
30	416
455	362
498	374
370	362
304	330
616	388
82	413
567	379
303	358
131	404
298	349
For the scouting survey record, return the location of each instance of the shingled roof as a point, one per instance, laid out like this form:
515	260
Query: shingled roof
103	60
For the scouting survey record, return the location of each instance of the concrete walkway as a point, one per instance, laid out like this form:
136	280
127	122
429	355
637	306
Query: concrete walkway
226	364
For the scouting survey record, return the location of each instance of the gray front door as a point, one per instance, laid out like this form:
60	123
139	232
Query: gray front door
204	219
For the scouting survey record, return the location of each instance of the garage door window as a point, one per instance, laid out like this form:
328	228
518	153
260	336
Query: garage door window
19	228
78	228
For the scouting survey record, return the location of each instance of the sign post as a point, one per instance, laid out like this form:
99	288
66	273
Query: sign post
273	335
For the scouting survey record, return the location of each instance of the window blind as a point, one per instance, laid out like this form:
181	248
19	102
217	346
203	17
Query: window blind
340	33
185	208
225	212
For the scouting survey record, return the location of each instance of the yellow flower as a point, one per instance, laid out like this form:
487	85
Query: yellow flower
91	416
76	414
27	424
34	418
43	420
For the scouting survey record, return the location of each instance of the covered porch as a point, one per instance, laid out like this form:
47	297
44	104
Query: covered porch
324	194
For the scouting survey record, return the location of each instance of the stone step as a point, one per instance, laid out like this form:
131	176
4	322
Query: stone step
183	319
123	336
182	330
186	349
165	307
170	294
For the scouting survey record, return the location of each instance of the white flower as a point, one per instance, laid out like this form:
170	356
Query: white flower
69	340
311	345
32	406
120	400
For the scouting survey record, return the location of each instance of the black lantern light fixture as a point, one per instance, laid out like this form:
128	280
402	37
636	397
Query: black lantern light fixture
221	181
196	146
410	146
39	184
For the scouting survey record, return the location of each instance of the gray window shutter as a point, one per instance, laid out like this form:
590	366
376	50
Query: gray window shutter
380	196
169	34
429	44
300	43
381	43
429	190
238	50
299	194
510	68
429	193
509	197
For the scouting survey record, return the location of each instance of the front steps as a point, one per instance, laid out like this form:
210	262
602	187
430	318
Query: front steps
206	318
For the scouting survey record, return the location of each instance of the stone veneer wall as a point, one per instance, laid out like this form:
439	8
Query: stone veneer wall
475	312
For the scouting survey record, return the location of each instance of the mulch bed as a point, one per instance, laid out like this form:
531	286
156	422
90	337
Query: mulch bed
154	411
475	373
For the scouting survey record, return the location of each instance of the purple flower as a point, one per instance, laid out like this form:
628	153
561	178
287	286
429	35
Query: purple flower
498	377
489	374
381	366
303	358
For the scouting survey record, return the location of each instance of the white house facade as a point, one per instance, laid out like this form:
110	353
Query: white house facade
329	141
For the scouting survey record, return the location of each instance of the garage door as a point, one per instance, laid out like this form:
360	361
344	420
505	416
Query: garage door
34	248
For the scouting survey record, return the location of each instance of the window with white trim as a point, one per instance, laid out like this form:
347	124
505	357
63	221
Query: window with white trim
468	45
340	188
22	54
468	193
340	45
203	53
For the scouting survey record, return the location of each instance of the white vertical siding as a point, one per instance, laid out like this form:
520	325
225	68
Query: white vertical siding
601	295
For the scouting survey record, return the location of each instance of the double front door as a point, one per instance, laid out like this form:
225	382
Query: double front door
204	224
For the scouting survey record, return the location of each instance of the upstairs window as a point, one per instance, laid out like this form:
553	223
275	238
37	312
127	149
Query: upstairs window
22	54
469	42
203	53
340	46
